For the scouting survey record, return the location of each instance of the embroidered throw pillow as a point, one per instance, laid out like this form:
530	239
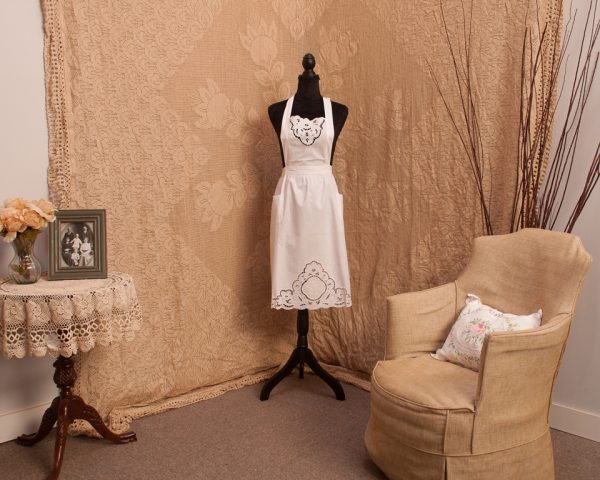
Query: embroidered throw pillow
476	320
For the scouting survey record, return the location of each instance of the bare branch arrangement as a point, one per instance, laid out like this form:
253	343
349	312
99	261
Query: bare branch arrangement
540	192
542	178
466	122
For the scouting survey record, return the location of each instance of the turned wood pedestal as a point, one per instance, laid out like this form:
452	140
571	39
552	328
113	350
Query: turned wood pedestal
64	409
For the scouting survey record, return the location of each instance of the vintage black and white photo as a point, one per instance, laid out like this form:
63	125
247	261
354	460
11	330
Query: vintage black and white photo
78	245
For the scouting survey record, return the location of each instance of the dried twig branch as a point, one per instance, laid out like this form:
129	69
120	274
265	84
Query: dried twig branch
540	192
542	179
466	122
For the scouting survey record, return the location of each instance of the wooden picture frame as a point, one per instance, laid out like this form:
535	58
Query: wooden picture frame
77	245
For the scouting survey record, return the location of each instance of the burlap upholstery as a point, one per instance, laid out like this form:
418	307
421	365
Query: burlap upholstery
435	420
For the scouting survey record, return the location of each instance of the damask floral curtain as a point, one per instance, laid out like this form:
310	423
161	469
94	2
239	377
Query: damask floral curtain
157	112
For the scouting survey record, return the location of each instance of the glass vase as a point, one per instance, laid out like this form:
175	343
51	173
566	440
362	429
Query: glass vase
24	267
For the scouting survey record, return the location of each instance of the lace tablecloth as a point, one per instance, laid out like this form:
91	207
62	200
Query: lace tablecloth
67	316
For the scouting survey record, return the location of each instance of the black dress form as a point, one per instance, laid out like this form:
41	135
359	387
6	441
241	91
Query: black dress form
308	103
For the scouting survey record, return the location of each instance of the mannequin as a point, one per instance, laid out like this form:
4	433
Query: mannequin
308	103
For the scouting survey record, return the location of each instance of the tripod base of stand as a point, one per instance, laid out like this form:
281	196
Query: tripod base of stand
300	356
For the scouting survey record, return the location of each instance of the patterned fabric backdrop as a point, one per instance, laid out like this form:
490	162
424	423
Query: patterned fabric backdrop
157	112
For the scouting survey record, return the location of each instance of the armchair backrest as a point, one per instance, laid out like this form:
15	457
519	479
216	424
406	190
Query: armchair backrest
519	273
524	271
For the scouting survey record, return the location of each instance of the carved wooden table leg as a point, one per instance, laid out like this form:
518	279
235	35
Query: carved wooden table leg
66	408
48	421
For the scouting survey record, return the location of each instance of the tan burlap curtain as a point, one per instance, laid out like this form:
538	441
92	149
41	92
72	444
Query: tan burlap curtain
157	112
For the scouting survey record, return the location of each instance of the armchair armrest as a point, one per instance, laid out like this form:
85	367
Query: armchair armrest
419	322
516	378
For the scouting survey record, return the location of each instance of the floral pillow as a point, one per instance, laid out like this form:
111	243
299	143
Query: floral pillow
475	321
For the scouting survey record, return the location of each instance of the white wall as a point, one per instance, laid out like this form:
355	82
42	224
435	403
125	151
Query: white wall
576	398
26	384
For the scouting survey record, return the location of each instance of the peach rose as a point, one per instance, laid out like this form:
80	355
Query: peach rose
44	208
33	219
17	203
14	224
6	213
12	220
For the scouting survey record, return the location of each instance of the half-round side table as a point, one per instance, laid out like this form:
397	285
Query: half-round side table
61	318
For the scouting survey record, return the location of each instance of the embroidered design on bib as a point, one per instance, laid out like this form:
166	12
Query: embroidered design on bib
313	287
305	130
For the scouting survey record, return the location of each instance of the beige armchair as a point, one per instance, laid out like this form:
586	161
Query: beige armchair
436	420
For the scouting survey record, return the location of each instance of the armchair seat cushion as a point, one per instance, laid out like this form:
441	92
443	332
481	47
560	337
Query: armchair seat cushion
428	404
427	382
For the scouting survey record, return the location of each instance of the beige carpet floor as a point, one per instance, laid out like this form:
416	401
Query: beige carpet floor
302	432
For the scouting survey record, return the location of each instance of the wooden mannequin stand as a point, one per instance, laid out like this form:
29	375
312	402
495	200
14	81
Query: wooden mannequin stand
64	409
300	356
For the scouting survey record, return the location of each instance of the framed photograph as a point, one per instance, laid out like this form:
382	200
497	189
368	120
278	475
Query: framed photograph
78	245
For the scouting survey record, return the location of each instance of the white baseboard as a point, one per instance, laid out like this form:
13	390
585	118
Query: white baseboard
575	421
26	420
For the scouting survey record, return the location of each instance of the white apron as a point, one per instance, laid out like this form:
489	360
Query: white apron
309	263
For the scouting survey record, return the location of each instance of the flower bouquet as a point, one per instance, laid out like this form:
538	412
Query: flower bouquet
20	223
